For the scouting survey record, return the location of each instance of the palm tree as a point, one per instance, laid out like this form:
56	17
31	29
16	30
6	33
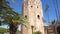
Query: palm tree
15	22
8	16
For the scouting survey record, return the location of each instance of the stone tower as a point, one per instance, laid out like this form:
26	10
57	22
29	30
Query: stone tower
32	11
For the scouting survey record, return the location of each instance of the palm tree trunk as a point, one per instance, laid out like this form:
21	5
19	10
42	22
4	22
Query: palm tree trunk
13	28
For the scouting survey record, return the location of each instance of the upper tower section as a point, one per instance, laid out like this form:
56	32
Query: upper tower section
30	5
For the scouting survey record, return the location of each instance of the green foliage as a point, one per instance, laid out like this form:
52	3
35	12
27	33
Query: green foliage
3	30
37	32
9	15
6	11
19	19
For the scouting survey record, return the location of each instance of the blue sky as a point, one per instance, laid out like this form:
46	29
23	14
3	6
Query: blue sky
18	8
52	14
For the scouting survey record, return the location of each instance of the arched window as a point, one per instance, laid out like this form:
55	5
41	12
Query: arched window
26	16
38	16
